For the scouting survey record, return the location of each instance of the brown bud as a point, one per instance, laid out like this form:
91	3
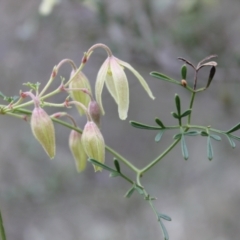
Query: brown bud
95	112
77	150
43	130
184	82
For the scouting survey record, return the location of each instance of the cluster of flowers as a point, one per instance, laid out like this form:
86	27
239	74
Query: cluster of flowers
91	142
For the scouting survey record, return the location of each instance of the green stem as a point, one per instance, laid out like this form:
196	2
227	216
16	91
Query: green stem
2	230
126	178
190	106
155	161
122	159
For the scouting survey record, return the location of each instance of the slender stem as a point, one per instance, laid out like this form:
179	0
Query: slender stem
2	230
190	106
195	80
15	115
48	104
105	47
155	161
122	159
47	85
126	178
54	73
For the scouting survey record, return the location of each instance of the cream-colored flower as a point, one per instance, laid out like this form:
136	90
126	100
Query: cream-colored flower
43	130
93	143
112	73
78	82
78	152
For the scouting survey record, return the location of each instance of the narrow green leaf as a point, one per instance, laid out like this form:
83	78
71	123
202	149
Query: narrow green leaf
117	165
184	72
114	174
159	122
234	137
175	115
164	230
232	143
163	77
178	104
209	149
130	192
203	133
177	136
165	217
143	126
233	129
184	148
191	133
216	137
103	166
186	113
159	135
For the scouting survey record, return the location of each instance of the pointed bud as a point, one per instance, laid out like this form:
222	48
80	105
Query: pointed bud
93	143
80	81
77	150
43	130
95	112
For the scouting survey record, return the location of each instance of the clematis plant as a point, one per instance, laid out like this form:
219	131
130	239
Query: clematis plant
89	142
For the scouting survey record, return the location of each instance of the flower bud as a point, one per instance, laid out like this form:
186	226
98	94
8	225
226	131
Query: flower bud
93	143
80	81
184	82
95	112
43	130
77	150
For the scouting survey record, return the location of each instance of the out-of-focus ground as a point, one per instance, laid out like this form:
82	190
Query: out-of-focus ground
43	199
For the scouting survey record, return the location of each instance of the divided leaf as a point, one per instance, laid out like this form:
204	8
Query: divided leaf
165	217
178	104
233	129
215	137
184	72
164	230
186	113
232	143
163	77
103	166
159	135
209	149
117	165
184	148
159	122
143	126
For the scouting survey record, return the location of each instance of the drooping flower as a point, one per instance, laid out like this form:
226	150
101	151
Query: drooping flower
80	81
43	130
93	143
112	73
77	150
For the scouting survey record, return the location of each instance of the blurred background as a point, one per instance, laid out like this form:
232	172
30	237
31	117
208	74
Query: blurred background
43	199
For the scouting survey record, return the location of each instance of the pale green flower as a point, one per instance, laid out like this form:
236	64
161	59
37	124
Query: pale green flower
43	130
93	143
78	152
112	73
78	82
